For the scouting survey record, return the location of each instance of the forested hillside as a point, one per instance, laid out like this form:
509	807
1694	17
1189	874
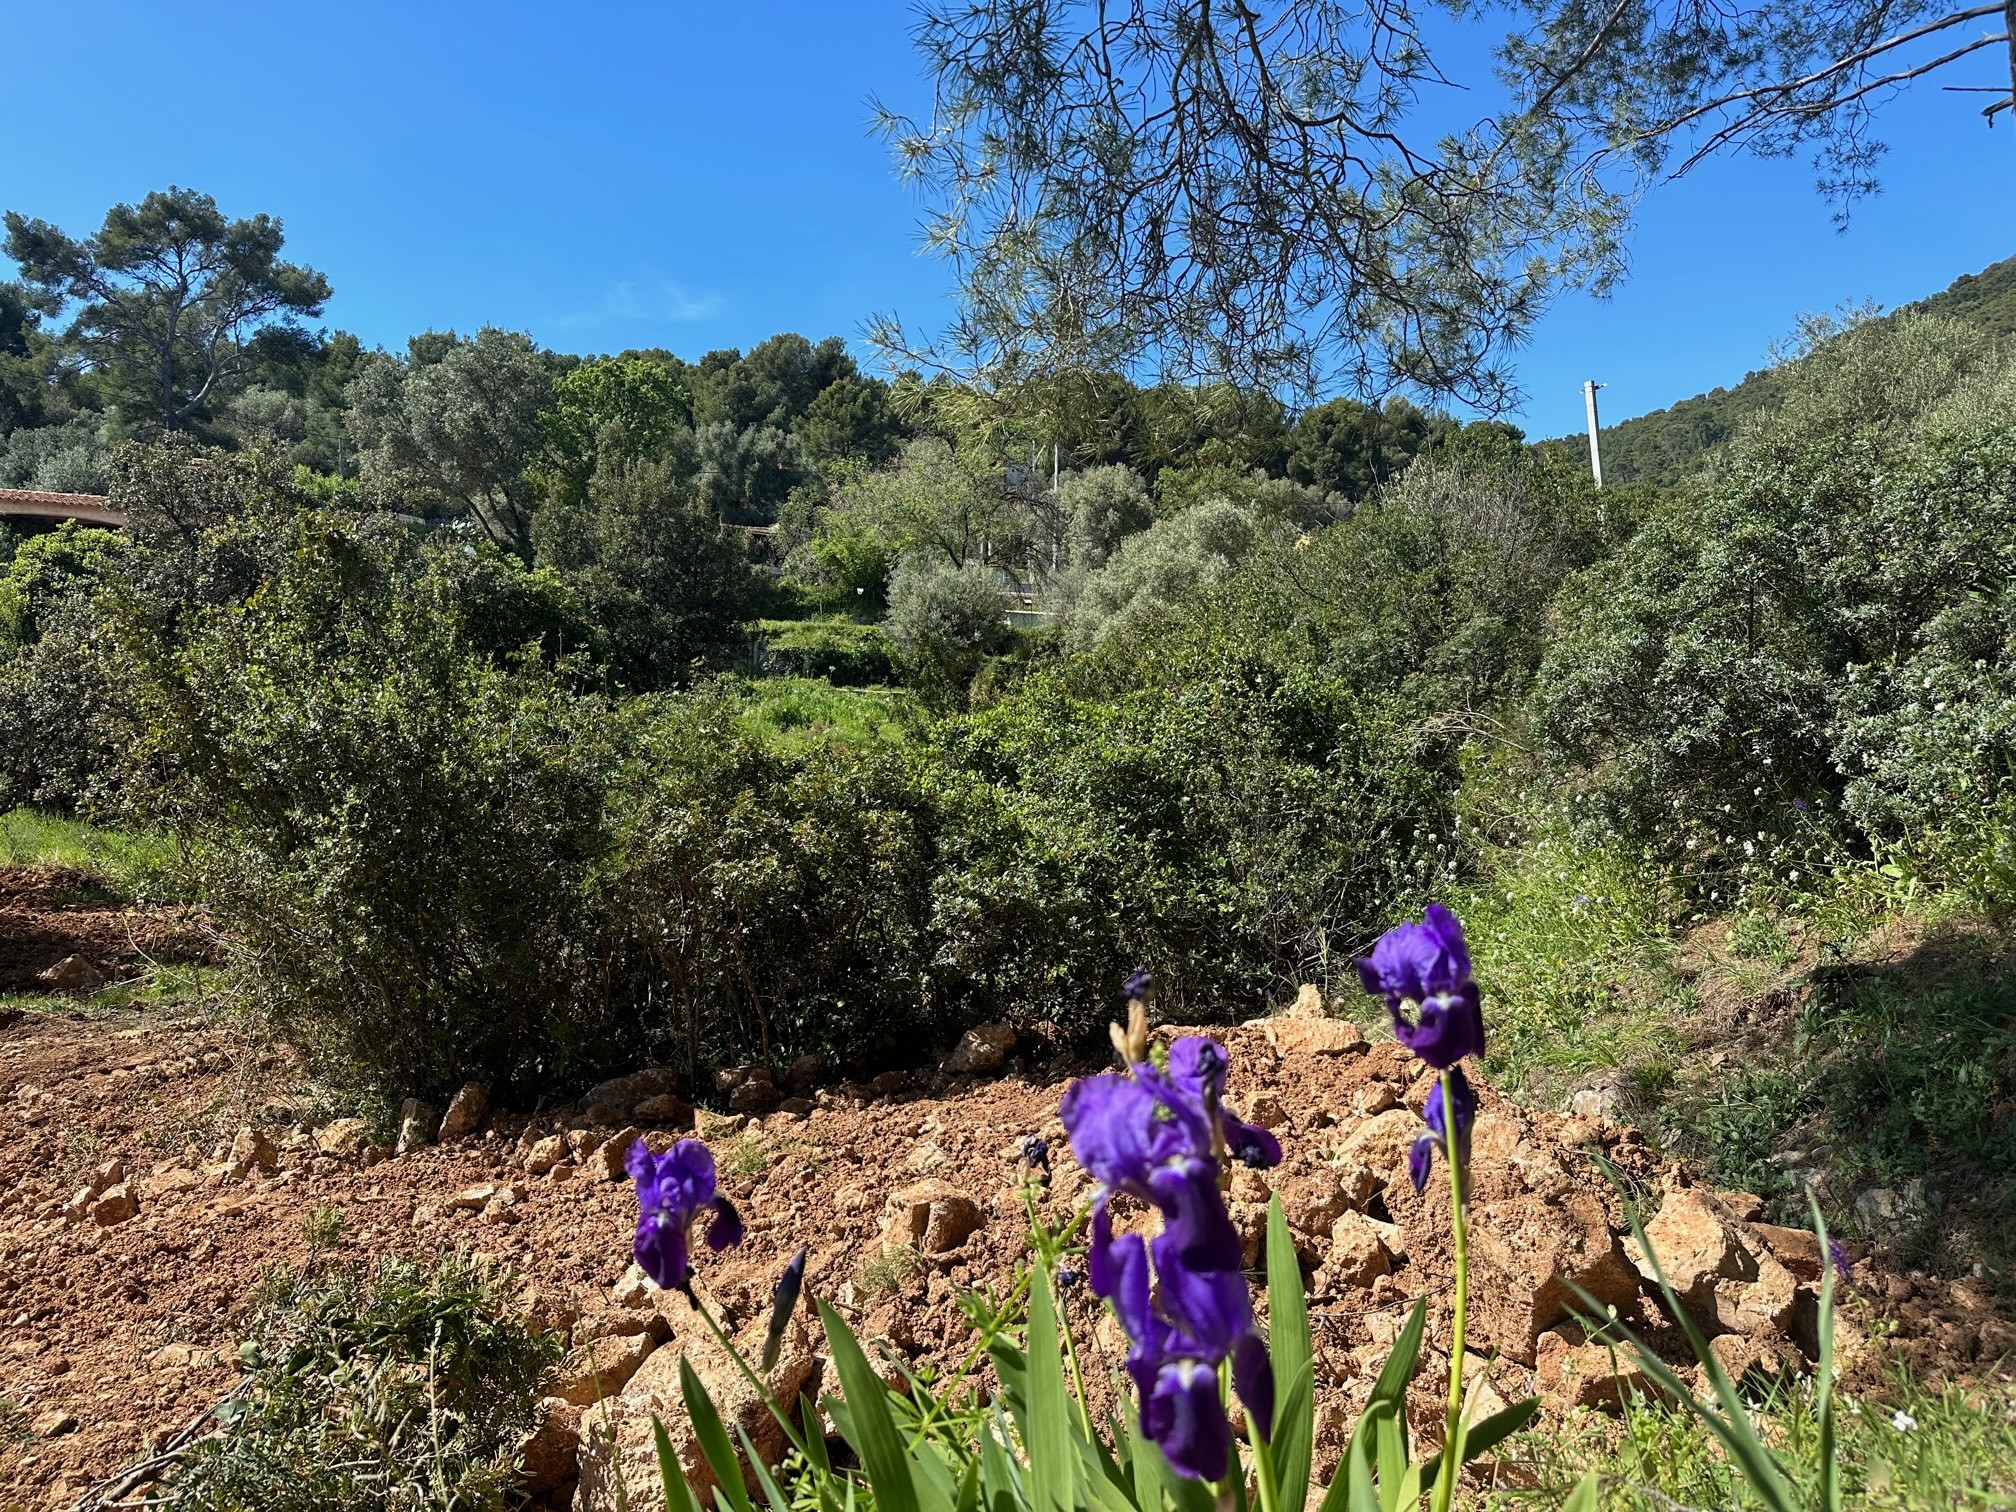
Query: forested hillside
1667	444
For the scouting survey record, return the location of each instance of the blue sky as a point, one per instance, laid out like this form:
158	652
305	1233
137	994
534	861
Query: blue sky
607	174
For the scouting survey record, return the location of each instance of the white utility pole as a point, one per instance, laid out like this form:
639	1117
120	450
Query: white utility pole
1595	447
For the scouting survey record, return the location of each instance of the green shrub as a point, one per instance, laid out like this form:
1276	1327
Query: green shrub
394	831
780	893
1809	662
408	1387
844	653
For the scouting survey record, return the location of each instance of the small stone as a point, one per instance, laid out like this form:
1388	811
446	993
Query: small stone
891	1084
73	974
609	1161
665	1108
473	1199
981	1050
252	1151
467	1110
55	1422
1267	1109
930	1217
546	1154
633	1288
345	1139
1357	1255
115	1205
796	1109
417	1124
1312	1203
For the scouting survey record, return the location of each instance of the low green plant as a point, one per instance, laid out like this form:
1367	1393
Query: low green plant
887	1270
383	1391
1912	1449
322	1227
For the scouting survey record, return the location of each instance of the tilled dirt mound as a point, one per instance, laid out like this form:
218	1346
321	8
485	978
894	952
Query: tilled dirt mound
129	1241
51	914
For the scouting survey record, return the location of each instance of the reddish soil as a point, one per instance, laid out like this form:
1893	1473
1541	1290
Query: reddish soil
129	1329
50	913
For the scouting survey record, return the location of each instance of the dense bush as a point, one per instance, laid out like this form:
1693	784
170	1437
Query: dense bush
394	829
945	622
781	896
408	1387
1822	641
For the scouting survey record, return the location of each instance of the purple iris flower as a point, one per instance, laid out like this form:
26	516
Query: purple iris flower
1842	1261
672	1189
1156	1134
1036	1152
1427	966
1422	1156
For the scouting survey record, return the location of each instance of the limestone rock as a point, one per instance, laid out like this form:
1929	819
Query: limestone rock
930	1217
550	1455
1357	1255
754	1096
1572	1373
417	1123
891	1084
601	1368
546	1154
803	1074
251	1151
73	974
608	1162
981	1050
1798	1250
617	1440
345	1139
1267	1109
467	1110
1312	1203
115	1205
1528	1257
621	1094
1761	1363
1293	1034
1381	1144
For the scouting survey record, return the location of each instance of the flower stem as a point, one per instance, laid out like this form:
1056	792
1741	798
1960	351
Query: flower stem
1445	1480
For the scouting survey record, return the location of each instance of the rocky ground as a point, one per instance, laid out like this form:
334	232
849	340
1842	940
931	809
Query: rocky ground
150	1170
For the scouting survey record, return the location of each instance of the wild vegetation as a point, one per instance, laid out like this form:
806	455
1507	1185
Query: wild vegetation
521	717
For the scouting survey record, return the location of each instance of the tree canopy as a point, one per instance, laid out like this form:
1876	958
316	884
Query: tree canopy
166	295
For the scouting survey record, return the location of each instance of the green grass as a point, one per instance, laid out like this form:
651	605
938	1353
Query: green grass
798	713
1958	1451
136	867
1576	960
167	988
1899	1067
